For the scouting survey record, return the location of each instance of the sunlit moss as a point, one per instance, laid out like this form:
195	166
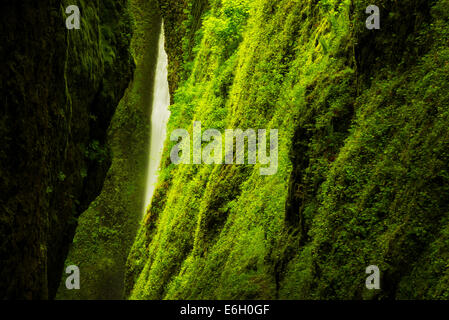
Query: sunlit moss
362	173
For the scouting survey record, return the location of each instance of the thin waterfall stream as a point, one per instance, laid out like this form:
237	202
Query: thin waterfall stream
159	119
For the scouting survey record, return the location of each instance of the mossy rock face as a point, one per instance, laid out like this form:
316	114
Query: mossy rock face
363	164
362	177
107	229
60	89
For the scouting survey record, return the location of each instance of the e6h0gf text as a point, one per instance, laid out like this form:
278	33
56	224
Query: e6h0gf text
246	309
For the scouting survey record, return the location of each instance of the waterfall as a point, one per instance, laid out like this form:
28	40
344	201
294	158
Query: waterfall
159	119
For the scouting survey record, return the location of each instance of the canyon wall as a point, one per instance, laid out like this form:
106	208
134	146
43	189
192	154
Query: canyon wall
363	164
59	90
107	229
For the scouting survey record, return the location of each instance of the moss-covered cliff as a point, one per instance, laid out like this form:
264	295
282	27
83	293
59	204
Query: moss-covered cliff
59	90
107	229
363	161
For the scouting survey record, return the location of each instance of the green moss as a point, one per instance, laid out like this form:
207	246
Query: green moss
107	228
59	97
362	172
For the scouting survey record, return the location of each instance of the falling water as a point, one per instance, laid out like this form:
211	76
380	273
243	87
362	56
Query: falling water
159	118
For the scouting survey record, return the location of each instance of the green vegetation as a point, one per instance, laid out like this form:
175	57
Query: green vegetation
363	154
106	230
363	170
59	91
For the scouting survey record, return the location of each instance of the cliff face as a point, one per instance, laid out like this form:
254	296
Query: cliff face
107	229
363	165
59	90
363	171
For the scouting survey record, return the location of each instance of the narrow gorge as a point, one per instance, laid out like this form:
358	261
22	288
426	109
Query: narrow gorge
362	150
